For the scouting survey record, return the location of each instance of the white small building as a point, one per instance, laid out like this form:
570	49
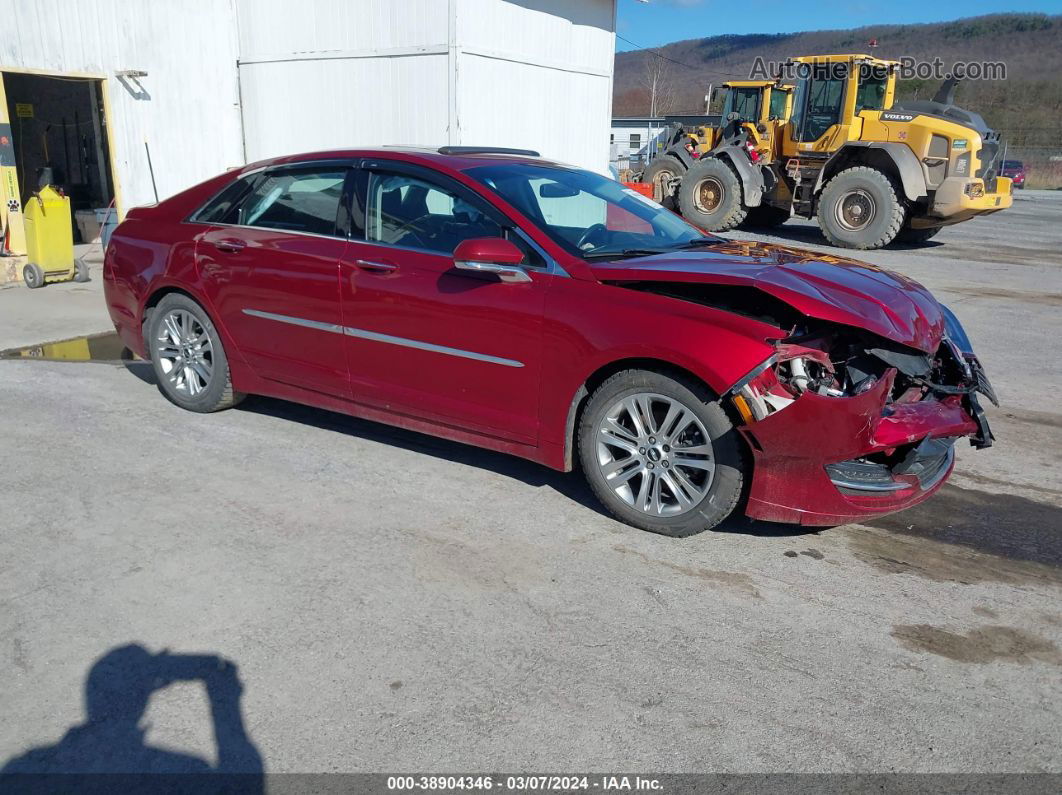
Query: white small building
123	100
632	140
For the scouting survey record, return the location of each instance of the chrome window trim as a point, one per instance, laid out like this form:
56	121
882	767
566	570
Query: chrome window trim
389	339
552	268
346	163
340	238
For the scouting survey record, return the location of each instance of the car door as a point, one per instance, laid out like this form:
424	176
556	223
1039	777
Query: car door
424	338
270	266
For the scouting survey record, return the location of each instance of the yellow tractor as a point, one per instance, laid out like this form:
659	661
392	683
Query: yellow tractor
869	169
758	105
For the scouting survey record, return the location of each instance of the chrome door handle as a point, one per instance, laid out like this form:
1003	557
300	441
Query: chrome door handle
229	245
378	267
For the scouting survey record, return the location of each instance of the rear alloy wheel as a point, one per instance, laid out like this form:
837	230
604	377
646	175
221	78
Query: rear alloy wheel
710	196
859	208
664	173
188	357
660	453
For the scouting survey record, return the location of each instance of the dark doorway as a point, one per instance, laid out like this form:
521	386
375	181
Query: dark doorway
59	132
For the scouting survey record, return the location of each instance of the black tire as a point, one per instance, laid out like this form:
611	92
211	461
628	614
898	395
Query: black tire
766	217
81	270
33	276
710	196
916	236
731	463
218	393
874	193
661	170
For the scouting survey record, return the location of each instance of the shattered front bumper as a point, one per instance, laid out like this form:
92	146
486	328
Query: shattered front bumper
814	462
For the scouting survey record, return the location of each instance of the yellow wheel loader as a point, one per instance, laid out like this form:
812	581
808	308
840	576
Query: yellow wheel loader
870	170
758	105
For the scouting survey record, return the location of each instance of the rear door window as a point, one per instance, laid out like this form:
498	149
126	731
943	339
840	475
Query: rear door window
215	210
301	199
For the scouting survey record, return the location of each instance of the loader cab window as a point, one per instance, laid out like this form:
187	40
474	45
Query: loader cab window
871	94
745	102
777	107
817	104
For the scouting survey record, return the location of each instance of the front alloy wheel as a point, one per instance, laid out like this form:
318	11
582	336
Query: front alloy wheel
655	454
660	453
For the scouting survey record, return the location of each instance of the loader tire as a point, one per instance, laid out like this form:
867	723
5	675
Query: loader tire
710	196
859	208
916	236
664	174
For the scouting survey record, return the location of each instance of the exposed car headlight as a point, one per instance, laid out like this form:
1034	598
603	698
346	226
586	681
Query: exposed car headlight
780	380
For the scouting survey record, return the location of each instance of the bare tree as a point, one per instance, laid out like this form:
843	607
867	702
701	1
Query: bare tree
659	82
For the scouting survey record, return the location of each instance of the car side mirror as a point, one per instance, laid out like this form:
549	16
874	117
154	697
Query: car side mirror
491	255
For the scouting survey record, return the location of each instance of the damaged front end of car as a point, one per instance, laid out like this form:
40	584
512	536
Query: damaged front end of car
845	424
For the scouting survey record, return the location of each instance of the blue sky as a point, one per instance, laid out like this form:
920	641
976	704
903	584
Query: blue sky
661	21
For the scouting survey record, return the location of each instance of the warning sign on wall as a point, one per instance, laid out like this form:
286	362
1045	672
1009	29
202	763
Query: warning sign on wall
24	110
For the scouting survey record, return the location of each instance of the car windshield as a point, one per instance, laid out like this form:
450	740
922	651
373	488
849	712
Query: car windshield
1015	164
589	215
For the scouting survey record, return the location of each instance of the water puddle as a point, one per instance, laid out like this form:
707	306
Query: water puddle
106	347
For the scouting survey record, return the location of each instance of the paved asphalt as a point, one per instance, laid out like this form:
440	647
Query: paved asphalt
395	602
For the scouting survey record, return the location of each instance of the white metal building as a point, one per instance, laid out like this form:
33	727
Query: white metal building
95	85
632	139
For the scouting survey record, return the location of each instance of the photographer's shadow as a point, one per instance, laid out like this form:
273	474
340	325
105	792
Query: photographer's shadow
118	688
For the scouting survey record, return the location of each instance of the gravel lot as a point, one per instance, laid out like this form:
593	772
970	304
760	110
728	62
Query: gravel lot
395	602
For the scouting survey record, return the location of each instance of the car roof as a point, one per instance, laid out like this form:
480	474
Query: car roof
441	158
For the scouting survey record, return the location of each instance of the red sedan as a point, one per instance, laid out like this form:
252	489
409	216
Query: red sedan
1014	169
498	299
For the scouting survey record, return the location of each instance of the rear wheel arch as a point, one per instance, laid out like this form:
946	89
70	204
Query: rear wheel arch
159	293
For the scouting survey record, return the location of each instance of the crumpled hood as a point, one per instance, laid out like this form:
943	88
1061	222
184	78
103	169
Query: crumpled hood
821	286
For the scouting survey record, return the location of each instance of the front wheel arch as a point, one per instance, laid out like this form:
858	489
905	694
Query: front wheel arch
603	373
